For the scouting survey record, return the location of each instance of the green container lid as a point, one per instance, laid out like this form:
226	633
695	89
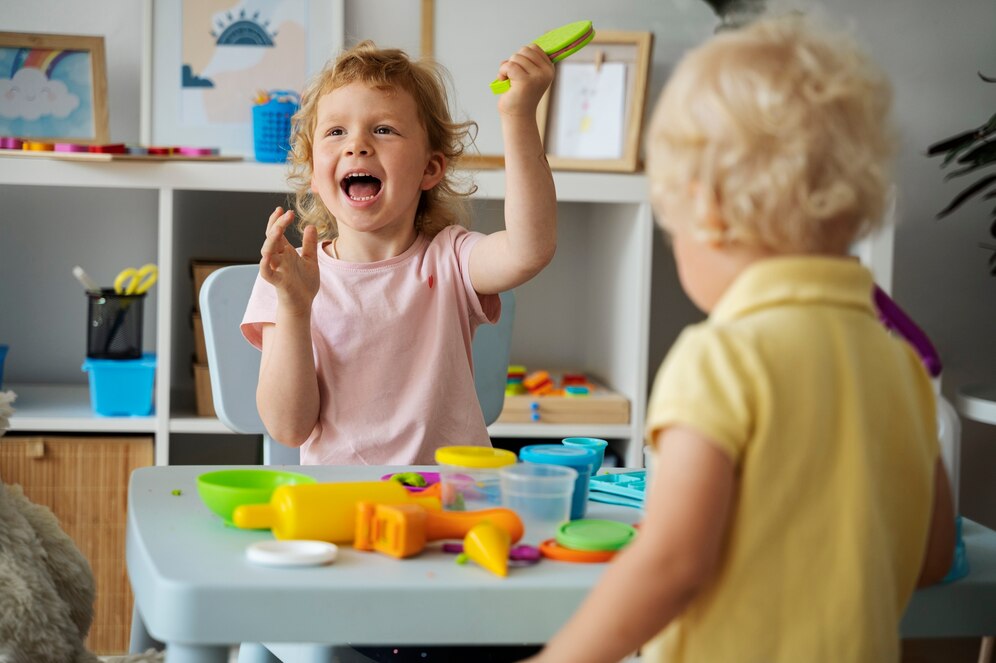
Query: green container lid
595	535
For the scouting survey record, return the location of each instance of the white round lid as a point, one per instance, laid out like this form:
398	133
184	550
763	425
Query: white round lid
292	553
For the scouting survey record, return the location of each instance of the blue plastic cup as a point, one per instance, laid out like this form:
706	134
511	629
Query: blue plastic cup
581	459
590	443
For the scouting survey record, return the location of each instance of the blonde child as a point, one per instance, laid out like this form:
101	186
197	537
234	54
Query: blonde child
366	329
798	497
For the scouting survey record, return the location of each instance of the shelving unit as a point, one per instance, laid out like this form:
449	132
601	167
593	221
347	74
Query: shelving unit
588	311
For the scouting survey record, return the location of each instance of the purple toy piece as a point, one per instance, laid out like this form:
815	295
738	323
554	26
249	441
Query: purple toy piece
897	321
521	555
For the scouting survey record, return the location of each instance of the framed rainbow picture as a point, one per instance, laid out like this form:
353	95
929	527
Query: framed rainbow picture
53	87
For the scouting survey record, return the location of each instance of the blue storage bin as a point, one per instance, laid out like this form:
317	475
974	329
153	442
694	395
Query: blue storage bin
271	126
122	387
3	356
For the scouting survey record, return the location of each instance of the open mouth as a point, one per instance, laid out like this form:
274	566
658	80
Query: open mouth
360	186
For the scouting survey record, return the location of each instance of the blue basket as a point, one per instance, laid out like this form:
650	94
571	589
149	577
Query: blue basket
3	356
271	126
121	387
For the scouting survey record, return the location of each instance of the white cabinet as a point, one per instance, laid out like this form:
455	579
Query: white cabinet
588	311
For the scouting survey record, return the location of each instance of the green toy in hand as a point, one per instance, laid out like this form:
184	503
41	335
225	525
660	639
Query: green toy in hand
558	44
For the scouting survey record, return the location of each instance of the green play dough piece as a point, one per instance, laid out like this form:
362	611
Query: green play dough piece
594	535
409	479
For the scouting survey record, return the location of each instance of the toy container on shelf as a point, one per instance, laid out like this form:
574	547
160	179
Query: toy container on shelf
469	476
271	125
3	357
121	387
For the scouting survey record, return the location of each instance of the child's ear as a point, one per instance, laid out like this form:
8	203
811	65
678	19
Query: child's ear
707	210
434	170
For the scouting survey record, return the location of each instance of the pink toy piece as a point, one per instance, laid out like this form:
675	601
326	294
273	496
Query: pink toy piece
70	147
197	151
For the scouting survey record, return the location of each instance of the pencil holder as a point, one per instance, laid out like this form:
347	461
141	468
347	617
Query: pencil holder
114	325
271	126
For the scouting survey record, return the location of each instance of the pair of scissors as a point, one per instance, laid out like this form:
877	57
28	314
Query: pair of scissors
131	281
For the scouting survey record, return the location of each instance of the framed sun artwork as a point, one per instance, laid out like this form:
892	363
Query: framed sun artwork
53	87
208	61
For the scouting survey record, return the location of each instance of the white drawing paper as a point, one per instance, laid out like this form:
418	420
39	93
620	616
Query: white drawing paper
590	110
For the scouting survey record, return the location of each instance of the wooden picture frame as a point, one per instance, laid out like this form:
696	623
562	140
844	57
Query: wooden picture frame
204	64
615	62
71	71
629	51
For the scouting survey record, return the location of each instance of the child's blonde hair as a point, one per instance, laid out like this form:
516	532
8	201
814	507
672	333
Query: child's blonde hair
786	128
425	81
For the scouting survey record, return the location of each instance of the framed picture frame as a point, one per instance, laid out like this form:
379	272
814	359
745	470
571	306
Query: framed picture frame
472	98
610	75
206	61
70	74
592	117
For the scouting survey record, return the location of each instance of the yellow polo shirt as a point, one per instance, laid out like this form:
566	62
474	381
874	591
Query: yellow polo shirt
831	424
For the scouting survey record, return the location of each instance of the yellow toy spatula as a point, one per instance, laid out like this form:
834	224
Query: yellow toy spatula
558	44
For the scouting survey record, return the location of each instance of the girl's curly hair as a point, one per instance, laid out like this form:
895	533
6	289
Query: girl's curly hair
426	81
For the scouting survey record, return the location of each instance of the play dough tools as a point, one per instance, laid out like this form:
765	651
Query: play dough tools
558	44
402	530
323	511
488	545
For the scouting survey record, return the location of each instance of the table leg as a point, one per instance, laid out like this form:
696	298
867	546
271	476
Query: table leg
177	653
140	640
986	650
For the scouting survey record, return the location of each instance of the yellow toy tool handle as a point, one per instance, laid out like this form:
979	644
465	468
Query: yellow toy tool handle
131	281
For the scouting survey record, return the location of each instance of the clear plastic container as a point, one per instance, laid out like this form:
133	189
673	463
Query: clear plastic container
469	476
541	494
580	459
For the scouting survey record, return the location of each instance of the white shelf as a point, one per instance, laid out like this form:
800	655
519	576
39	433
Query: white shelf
53	407
978	402
561	430
598	287
196	424
250	176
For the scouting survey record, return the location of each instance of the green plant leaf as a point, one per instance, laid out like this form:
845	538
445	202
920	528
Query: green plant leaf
966	194
961	140
982	154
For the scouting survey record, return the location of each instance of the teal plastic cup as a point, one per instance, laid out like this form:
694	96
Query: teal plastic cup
589	443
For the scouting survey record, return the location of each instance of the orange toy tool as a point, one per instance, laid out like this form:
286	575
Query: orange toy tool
323	511
402	530
488	545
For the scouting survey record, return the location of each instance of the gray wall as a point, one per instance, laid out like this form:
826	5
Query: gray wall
930	49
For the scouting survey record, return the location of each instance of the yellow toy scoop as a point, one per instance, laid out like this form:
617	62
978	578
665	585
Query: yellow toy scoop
488	545
558	44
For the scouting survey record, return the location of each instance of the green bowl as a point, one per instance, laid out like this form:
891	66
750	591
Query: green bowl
223	490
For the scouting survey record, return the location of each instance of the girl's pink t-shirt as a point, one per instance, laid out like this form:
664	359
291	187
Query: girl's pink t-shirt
392	346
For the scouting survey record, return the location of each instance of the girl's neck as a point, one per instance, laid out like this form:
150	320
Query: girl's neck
351	246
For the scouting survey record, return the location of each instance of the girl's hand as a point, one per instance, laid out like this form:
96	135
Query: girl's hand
531	72
294	275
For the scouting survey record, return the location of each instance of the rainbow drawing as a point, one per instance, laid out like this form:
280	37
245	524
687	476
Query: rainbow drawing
43	59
